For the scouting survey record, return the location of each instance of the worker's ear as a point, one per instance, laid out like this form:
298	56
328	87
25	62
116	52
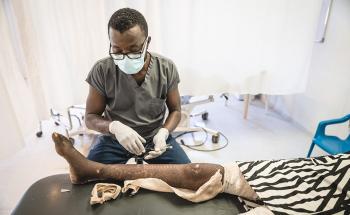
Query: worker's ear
148	41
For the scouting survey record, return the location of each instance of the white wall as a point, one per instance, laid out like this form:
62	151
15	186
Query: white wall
327	94
10	136
18	118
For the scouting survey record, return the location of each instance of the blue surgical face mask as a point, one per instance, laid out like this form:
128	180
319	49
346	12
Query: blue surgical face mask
131	66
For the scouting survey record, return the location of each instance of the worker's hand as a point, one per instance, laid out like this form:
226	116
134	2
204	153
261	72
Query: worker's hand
159	141
127	137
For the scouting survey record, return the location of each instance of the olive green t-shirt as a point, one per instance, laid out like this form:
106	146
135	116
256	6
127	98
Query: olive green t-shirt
140	107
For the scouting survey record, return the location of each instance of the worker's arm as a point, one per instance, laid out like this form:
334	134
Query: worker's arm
173	102
95	106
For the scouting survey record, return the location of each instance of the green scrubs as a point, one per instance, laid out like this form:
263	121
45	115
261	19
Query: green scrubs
140	107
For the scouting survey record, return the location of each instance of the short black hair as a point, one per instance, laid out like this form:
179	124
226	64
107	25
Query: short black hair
126	18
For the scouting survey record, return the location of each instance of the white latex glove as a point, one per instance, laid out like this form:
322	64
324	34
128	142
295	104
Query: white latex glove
159	141
127	137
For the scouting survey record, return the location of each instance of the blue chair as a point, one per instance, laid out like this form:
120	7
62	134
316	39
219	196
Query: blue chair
331	144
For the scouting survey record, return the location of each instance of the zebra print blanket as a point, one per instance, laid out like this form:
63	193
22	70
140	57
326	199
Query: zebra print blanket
302	186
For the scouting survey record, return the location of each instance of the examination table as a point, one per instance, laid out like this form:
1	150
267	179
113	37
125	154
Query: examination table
45	197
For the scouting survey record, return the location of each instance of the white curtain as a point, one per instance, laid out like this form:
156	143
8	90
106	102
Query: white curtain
245	46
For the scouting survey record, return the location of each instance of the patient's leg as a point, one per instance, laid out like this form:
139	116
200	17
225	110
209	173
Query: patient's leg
82	170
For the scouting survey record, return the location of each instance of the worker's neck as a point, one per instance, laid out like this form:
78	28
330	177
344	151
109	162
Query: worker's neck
140	76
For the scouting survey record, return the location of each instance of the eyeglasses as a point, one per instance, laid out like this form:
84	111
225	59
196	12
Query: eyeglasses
131	55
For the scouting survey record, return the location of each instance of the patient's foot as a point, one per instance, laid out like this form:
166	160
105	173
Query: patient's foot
81	169
62	144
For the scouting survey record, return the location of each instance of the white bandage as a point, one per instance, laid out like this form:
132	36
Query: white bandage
236	184
103	192
205	192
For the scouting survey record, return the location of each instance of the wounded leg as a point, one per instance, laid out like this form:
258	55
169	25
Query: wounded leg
82	170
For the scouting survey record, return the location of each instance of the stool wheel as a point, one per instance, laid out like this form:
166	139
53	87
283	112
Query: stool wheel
39	134
205	116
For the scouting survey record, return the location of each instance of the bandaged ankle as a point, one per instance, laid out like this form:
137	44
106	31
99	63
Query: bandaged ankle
103	192
236	184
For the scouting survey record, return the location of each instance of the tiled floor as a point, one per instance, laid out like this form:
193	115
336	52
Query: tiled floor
264	135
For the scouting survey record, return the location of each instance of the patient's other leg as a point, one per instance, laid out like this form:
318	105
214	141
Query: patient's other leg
82	170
